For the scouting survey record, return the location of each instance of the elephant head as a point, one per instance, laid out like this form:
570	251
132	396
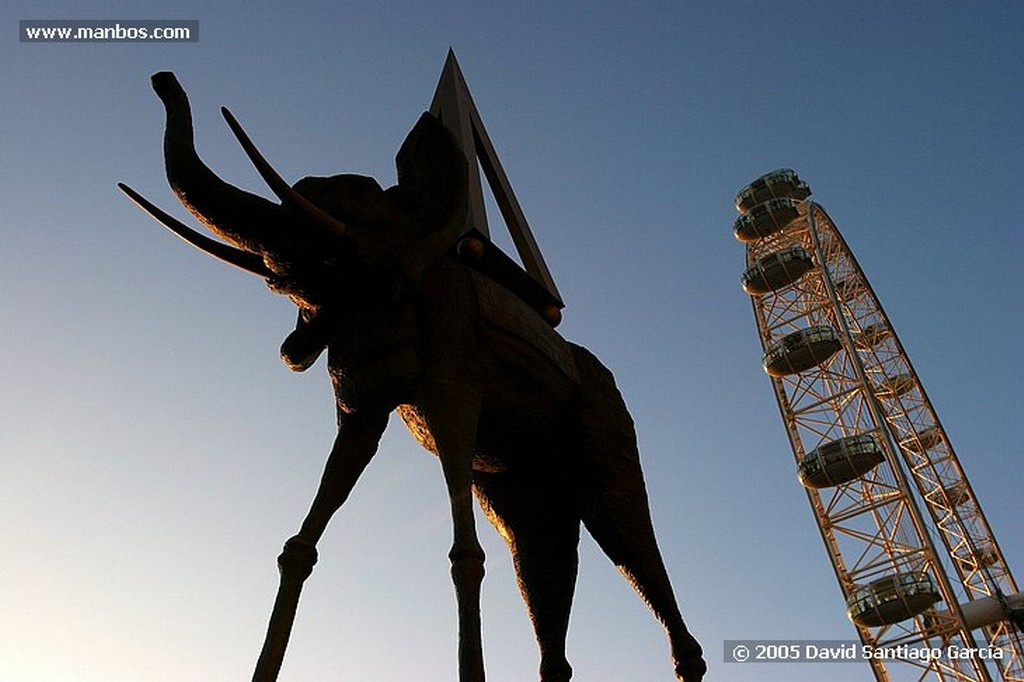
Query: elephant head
330	236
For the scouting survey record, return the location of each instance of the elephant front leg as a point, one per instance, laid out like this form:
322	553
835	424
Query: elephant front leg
358	436
295	565
451	412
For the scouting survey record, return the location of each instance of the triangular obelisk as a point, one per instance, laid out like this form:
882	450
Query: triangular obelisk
454	106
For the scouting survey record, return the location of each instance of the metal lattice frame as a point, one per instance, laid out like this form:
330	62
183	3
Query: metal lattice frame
914	513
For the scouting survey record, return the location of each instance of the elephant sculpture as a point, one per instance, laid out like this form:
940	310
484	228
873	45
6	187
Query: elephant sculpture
390	285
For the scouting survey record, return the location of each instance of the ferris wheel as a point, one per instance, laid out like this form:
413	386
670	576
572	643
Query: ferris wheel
915	558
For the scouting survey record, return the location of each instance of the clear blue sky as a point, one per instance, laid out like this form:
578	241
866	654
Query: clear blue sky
156	453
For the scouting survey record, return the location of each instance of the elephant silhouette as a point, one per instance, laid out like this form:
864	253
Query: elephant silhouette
414	320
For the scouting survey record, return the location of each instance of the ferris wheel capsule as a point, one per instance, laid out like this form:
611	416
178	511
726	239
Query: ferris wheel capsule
923	440
873	334
801	350
956	494
779	183
766	219
777	270
892	599
895	386
839	461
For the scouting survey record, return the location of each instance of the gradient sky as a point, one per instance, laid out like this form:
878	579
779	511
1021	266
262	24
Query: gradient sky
156	452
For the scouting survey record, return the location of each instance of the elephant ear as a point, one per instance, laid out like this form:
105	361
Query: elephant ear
432	172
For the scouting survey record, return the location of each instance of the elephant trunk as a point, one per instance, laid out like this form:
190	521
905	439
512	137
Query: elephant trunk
244	219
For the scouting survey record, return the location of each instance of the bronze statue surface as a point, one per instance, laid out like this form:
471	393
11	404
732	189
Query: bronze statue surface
421	318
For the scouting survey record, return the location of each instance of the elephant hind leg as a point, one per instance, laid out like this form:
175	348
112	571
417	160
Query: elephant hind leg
542	530
626	536
616	511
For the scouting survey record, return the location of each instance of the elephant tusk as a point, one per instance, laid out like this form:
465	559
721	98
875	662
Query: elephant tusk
249	262
285	192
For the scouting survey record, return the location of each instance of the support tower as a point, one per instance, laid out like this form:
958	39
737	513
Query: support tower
915	558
